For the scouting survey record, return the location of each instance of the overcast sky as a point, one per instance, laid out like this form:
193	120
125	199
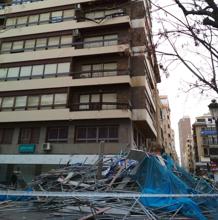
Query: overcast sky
182	103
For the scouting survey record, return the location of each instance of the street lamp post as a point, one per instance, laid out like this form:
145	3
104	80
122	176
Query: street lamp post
213	107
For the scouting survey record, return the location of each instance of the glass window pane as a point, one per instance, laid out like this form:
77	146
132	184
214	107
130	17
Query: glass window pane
37	70
84	99
97	70
30	44
25	71
92	133
33	101
81	133
50	69
13	72
99	14
110	40
33	19
86	71
56	16
69	13
8	102
53	41
20	101
110	97
63	133
113	132
6	46
17	45
93	42
90	15
44	17
103	133
46	100
110	69
10	22
95	98
3	73
63	67
52	134
66	40
61	99
41	43
22	20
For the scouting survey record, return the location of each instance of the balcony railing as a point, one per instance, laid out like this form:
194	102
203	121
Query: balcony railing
100	73
97	106
17	2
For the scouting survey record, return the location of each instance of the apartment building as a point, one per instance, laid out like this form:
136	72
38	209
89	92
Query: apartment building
167	131
74	74
205	145
184	133
189	156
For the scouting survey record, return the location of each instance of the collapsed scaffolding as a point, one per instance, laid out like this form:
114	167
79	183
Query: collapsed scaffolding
137	186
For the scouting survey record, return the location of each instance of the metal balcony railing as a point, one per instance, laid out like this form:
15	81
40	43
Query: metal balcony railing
100	73
97	106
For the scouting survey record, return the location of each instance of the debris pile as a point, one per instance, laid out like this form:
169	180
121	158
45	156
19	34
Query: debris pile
103	183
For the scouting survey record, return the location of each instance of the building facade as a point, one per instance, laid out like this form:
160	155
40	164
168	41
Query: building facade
184	133
205	145
189	156
74	73
167	131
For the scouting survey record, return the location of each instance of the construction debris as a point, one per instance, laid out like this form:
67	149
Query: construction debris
136	174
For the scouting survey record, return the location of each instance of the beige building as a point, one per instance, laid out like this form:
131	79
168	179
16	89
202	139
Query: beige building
168	132
189	155
74	73
184	133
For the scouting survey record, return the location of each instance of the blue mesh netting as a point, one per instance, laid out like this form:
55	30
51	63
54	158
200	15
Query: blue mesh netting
154	177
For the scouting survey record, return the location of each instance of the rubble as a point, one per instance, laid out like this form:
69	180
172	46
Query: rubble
138	172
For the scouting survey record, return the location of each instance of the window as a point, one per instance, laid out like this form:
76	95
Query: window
20	102
25	71
63	68
30	44
3	74
110	40
7	103
56	17
60	99
6	46
10	22
22	21
57	134
29	135
50	69
6	135
110	98
33	19
13	72
54	42
110	69
66	40
90	101
46	100
17	45
84	102
90	42
86	71
44	18
97	70
41	43
69	13
37	70
33	102
96	134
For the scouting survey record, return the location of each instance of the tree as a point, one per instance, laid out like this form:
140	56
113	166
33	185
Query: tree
188	36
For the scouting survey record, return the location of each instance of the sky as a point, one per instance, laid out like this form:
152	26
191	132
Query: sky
182	103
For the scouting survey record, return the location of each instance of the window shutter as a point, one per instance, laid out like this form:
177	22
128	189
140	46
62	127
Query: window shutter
87	71
33	101
33	19
110	40
53	42
69	13
60	99
10	22
22	21
90	42
20	101
66	40
41	43
97	70
13	72
25	71
3	75
109	97
46	100
110	69
30	44
8	102
44	18
50	69
6	46
84	99
17	45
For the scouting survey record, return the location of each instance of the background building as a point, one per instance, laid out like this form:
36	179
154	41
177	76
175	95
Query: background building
74	73
167	131
189	155
184	133
205	145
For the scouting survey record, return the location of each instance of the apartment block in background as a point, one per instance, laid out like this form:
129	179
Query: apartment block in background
168	132
73	74
184	133
189	155
205	145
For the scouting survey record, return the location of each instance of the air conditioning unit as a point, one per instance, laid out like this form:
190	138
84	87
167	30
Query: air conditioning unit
47	147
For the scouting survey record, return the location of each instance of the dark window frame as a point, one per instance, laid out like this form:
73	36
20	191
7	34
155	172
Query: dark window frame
3	138
58	139
31	138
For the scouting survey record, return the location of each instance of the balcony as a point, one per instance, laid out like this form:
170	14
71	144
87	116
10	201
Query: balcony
16	2
97	106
